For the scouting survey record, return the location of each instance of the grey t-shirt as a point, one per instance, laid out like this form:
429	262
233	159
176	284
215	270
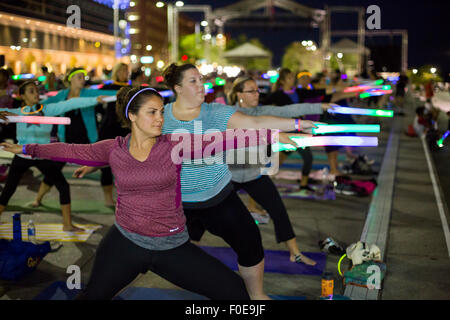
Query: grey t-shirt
156	243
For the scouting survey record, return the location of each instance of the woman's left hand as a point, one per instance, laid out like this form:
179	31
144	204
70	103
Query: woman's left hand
14	148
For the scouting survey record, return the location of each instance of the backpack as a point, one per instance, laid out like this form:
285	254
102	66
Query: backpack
19	258
361	166
362	188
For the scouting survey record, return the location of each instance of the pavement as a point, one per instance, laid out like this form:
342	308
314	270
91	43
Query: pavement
417	259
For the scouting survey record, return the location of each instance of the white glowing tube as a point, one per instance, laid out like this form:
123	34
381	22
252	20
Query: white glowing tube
351	141
109	98
38	120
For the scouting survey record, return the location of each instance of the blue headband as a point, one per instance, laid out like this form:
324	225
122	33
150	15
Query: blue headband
129	102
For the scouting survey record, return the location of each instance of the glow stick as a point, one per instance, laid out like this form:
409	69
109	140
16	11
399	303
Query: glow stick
440	142
362	112
110	99
356	88
334	128
208	85
220	82
52	93
23	76
327	141
374	93
38	120
166	93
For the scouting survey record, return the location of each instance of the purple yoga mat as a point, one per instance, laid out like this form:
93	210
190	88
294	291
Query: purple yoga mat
275	261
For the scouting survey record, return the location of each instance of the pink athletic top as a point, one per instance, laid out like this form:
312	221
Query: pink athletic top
149	192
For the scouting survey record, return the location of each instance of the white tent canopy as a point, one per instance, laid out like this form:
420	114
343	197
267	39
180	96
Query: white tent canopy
247	50
346	46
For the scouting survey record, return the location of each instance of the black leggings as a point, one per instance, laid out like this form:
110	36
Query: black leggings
106	178
264	192
231	221
118	261
307	157
50	169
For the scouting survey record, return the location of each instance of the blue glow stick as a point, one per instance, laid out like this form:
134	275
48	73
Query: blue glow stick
362	112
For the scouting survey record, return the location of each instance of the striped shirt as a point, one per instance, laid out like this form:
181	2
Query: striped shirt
201	181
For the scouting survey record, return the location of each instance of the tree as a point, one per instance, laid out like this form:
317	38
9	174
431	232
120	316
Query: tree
193	46
297	58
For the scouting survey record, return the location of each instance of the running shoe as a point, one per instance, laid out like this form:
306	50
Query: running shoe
344	189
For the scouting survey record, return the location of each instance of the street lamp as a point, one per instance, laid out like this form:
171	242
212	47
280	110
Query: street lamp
340	55
160	4
204	23
414	71
433	70
179	3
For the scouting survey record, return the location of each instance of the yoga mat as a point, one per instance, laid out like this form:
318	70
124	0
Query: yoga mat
53	206
50	232
329	194
59	291
275	261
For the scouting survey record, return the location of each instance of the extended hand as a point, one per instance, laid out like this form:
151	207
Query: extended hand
285	137
4	114
100	99
328	106
14	148
82	171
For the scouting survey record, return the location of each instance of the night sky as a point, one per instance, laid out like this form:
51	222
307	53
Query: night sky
427	23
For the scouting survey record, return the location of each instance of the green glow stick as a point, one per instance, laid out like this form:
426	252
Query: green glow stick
208	85
379	82
335	128
220	82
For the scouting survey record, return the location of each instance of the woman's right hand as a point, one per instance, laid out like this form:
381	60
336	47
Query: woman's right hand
100	99
4	114
328	106
14	148
82	171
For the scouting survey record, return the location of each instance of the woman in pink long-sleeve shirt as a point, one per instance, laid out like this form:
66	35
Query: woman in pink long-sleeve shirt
149	232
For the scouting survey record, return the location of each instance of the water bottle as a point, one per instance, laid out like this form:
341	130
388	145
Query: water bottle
31	232
327	285
324	185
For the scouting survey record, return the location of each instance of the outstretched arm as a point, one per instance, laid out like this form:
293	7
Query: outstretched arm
242	121
195	146
288	111
96	154
59	108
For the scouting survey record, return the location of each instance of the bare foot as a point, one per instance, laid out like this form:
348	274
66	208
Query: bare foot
302	259
35	204
72	228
